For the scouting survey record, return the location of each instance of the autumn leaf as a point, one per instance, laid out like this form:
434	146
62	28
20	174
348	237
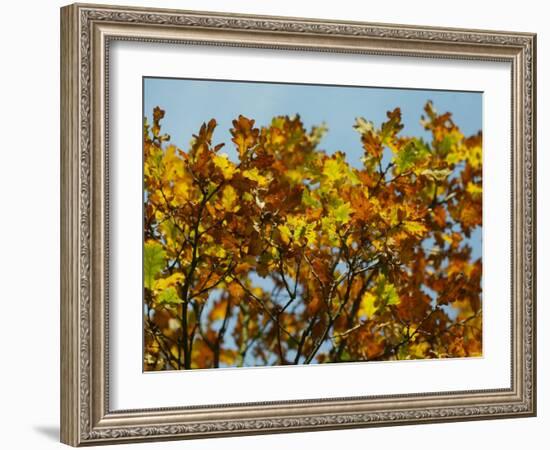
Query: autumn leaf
363	126
391	127
474	189
226	167
170	281
244	135
285	233
368	305
229	199
158	115
414	228
254	175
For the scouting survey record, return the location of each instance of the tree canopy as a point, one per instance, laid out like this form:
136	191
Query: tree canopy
290	255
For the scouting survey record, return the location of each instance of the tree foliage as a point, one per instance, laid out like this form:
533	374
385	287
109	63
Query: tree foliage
289	255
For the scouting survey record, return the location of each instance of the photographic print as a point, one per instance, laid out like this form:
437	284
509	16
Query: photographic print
291	224
286	197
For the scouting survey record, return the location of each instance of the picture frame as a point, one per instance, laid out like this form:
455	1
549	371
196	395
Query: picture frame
87	34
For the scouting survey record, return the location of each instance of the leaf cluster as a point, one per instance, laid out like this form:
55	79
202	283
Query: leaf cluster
289	255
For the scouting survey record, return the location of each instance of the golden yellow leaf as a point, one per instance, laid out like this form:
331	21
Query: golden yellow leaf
169	281
227	168
474	189
254	175
285	233
229	199
367	308
417	229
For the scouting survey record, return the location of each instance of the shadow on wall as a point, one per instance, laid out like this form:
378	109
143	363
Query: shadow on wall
49	431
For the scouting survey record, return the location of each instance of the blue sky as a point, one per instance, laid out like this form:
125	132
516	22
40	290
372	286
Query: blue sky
189	102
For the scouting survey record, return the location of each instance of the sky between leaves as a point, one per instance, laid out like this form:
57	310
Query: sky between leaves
191	102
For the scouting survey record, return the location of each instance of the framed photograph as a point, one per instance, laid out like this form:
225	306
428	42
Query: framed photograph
277	224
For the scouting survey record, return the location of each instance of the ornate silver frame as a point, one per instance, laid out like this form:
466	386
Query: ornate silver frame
86	32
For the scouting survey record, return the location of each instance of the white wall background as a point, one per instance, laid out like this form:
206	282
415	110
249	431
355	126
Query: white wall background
29	222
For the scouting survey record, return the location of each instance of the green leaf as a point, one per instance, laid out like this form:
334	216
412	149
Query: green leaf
309	200
336	169
450	141
345	356
386	292
333	169
153	262
342	213
169	296
390	295
412	153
